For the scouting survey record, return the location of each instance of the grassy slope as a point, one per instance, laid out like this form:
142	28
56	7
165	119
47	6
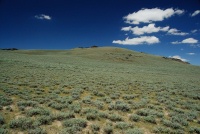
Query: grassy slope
105	76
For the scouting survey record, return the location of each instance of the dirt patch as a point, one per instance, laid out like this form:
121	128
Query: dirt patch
57	123
146	131
27	108
166	113
19	116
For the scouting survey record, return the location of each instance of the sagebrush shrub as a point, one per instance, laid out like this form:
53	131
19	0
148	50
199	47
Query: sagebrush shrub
194	130
4	131
108	129
98	104
45	120
71	130
134	117
75	107
75	122
22	123
115	117
63	116
134	131
5	100
160	129
123	125
150	119
95	127
37	111
2	120
27	103
91	116
37	130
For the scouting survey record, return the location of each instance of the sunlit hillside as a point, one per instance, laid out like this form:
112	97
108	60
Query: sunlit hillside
99	90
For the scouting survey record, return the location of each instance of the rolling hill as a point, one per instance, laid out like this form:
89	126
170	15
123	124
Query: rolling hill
97	90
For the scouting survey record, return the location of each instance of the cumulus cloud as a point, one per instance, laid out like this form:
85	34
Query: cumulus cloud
151	15
146	29
43	17
195	13
186	41
190	41
191	53
138	41
178	57
174	31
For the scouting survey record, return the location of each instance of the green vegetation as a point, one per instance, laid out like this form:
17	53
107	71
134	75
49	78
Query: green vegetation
97	90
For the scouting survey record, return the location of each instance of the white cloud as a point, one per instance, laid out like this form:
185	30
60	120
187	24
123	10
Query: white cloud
179	12
126	28
196	13
146	29
151	15
178	57
138	41
190	41
174	31
43	17
194	31
186	41
176	42
191	53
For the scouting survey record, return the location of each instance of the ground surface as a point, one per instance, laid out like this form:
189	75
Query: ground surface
97	90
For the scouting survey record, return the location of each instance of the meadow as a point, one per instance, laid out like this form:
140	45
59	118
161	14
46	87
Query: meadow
103	90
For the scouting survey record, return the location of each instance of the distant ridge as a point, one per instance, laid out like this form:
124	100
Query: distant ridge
109	54
120	55
12	49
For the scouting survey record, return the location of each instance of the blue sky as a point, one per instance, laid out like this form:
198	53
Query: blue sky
165	28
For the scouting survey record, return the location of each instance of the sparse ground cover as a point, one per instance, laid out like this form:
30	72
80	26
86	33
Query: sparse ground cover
97	90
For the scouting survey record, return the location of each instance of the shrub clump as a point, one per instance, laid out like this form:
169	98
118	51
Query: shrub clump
142	112
4	131
115	117
73	126
134	131
44	120
71	130
63	116
87	100
128	97
134	117
123	125
173	125
160	129
5	100
108	129
119	105
22	123
99	104
37	111
74	122
194	130
27	103
57	105
2	120
76	107
95	127
37	131
150	119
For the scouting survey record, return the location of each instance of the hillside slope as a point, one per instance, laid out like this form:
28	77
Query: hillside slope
97	90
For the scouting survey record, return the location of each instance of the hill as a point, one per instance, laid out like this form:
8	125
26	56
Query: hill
97	90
